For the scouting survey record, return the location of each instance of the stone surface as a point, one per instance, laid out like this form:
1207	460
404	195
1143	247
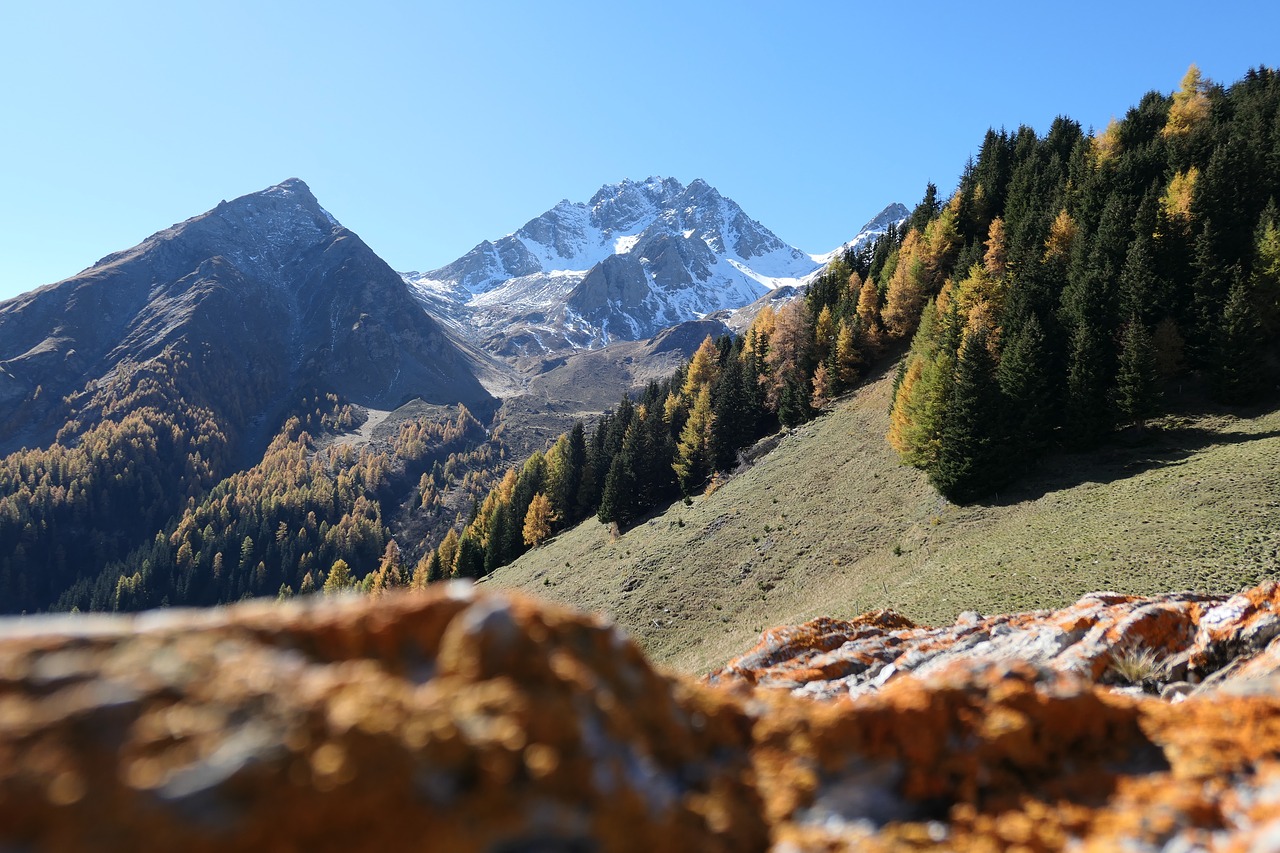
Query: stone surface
457	720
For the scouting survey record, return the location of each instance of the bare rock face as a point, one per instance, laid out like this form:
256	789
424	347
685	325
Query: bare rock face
460	721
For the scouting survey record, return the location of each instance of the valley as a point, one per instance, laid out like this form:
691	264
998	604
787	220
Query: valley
695	428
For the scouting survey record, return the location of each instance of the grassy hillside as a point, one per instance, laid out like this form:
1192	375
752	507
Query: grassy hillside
830	523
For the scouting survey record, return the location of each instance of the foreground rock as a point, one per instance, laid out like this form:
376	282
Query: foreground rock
456	721
1176	640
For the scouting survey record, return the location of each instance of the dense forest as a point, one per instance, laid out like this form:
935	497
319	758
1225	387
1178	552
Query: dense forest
1070	277
1051	299
131	452
280	527
1047	302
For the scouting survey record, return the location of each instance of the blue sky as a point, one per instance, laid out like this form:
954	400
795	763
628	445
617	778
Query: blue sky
427	127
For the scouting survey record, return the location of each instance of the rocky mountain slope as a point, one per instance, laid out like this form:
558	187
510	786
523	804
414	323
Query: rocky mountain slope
637	258
269	289
483	722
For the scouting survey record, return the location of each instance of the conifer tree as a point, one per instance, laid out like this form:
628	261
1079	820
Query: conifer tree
996	258
435	568
693	452
1088	381
1024	380
497	548
390	571
969	460
735	413
1169	346
618	498
869	316
906	290
821	388
470	559
1237	362
704	368
1138	285
448	551
926	210
1190	105
847	358
339	579
1137	381
538	520
1266	269
789	360
824	334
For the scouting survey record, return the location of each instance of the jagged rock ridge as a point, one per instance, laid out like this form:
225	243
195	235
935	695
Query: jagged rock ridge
483	722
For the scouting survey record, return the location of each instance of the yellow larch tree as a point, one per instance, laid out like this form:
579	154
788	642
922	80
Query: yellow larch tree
538	520
1106	145
1176	201
759	333
906	289
704	367
824	332
1062	233
996	259
1190	105
848	358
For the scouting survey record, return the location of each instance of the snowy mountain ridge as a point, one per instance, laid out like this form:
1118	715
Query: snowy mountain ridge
638	257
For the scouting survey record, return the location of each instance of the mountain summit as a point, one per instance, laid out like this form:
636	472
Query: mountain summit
258	298
638	257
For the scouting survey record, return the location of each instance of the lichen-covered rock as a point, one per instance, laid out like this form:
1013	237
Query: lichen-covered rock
1183	636
461	721
445	722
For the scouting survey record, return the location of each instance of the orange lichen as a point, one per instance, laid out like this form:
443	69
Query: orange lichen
483	721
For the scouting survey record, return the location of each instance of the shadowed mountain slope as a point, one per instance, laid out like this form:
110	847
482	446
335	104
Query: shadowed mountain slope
261	296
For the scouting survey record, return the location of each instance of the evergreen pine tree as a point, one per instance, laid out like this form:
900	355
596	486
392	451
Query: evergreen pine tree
1138	286
970	460
577	469
731	423
1137	381
435	567
926	210
1088	380
793	404
1237	357
618	498
470	560
497	549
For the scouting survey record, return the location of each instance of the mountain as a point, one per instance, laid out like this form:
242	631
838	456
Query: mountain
892	216
262	296
637	258
143	382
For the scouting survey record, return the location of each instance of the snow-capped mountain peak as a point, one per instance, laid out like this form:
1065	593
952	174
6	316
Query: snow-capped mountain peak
637	257
878	226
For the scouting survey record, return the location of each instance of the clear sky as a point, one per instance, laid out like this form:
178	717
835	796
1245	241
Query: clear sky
427	127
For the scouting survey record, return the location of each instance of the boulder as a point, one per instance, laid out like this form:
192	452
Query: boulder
456	720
